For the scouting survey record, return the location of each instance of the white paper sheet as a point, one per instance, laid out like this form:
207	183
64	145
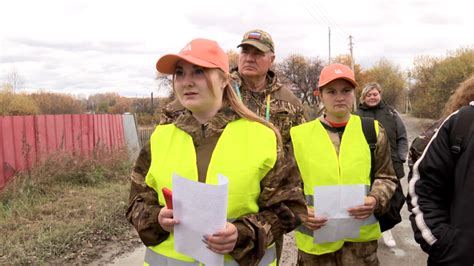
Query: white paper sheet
333	202
201	209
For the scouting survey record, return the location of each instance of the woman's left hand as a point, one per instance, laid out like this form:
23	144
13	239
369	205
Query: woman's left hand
363	211
223	241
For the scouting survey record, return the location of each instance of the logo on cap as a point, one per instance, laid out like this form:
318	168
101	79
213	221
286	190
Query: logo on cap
187	48
259	39
255	35
338	71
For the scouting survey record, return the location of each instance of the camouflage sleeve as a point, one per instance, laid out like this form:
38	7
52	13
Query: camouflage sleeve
143	207
385	181
170	112
282	208
300	116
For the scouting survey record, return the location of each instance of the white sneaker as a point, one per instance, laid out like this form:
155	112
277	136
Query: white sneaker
388	239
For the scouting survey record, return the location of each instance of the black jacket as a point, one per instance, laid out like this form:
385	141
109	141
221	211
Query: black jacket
396	132
442	199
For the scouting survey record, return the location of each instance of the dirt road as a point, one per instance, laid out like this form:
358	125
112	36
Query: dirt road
407	251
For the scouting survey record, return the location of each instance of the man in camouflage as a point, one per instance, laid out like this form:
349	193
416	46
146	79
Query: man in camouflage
258	86
261	91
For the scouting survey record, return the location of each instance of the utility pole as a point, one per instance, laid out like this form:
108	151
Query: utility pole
408	107
351	46
151	103
329	38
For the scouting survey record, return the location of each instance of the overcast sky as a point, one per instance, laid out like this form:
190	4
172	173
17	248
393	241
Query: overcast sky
92	46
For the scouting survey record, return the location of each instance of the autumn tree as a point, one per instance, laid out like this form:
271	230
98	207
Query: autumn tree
12	103
302	73
57	103
233	58
390	78
437	78
164	84
101	102
142	105
14	79
122	105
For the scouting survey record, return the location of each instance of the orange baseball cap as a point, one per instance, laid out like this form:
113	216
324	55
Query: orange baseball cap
336	71
200	52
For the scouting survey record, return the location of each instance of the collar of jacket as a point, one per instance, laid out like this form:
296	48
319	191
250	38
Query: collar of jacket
271	79
380	105
214	127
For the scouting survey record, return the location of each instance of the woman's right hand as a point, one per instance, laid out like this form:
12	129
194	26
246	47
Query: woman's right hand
314	222
165	218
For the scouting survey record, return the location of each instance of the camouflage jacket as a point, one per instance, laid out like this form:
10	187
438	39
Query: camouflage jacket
286	111
281	200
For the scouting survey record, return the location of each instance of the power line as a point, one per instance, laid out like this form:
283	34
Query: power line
318	20
329	18
322	17
326	19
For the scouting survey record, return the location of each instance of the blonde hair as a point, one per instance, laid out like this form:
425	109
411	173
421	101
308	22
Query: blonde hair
235	102
461	96
368	87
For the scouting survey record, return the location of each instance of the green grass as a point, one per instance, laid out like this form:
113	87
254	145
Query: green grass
63	209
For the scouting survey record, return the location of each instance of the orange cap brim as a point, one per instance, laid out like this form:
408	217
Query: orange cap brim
167	63
353	82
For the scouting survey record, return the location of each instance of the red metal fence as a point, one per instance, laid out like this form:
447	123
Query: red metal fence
24	140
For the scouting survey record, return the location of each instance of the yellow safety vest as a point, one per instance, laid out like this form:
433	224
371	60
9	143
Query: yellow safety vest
245	152
320	165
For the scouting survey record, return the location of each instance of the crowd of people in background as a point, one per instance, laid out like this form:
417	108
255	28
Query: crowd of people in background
245	124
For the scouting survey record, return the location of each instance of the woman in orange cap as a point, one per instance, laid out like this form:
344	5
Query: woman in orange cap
332	152
264	201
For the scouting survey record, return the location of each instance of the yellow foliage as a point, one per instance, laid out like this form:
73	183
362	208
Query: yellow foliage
56	103
16	104
233	58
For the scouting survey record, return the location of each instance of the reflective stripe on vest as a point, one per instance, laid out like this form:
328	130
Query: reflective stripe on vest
155	259
320	165
245	153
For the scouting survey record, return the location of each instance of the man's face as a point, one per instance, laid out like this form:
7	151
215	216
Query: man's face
253	62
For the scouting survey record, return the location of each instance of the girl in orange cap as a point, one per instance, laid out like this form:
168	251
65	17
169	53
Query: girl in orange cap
264	201
331	151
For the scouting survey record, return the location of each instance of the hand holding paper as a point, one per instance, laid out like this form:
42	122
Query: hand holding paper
363	211
314	222
224	241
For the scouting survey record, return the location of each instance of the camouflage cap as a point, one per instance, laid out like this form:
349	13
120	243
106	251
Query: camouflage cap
259	39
